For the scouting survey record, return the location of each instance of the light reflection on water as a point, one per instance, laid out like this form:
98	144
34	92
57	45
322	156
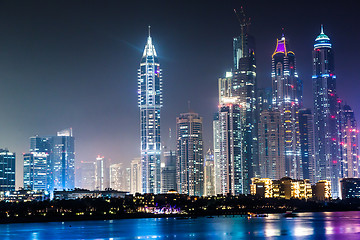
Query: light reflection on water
339	225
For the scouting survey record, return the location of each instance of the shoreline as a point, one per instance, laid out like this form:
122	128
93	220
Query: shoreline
45	219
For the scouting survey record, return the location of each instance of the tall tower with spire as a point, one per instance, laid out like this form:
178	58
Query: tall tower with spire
327	155
286	88
150	103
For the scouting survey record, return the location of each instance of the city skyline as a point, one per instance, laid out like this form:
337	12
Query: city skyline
108	113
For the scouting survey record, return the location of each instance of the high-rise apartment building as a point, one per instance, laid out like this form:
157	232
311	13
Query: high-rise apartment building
190	159
150	103
35	170
325	113
119	177
349	140
271	145
168	172
62	160
307	144
57	154
209	174
286	88
7	170
217	157
232	177
85	175
135	176
244	89
102	173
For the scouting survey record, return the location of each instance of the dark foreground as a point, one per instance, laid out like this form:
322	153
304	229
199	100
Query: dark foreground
320	225
145	206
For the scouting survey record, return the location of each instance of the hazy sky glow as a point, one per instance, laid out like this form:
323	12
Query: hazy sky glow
74	63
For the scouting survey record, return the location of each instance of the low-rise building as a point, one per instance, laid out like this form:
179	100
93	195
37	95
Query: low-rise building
350	188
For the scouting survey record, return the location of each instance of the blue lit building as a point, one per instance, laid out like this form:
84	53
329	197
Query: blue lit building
326	114
50	165
35	170
287	95
62	161
7	170
150	103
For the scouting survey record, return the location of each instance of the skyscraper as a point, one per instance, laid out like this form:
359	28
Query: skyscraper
62	160
190	159
35	171
217	157
7	170
306	129
102	173
135	176
59	152
232	175
85	175
244	87
286	88
271	145
150	103
349	140
209	177
119	177
168	172
325	113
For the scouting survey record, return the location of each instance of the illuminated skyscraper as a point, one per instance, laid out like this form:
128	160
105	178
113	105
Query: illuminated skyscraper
168	172
286	88
135	176
209	177
57	153
7	170
35	171
271	145
217	157
306	129
150	103
325	113
190	158
62	158
102	173
244	88
349	143
85	175
232	175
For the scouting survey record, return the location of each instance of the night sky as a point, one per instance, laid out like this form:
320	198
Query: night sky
74	63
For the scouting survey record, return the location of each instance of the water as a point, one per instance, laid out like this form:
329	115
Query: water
337	225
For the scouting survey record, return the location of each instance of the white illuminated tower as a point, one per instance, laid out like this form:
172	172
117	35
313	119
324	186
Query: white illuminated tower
150	103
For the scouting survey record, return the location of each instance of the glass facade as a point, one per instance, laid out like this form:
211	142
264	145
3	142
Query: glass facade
325	114
190	156
286	98
7	170
150	103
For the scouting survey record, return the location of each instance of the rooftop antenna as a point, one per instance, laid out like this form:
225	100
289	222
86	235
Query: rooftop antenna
189	105
244	23
322	29
149	30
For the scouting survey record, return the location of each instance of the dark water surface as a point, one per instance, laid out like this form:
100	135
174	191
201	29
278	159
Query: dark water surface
335	225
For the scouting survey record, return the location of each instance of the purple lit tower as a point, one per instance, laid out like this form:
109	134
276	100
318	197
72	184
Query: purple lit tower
286	98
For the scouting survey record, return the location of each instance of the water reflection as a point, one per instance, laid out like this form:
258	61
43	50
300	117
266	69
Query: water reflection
343	225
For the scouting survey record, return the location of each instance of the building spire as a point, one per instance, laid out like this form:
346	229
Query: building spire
322	29
149	31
